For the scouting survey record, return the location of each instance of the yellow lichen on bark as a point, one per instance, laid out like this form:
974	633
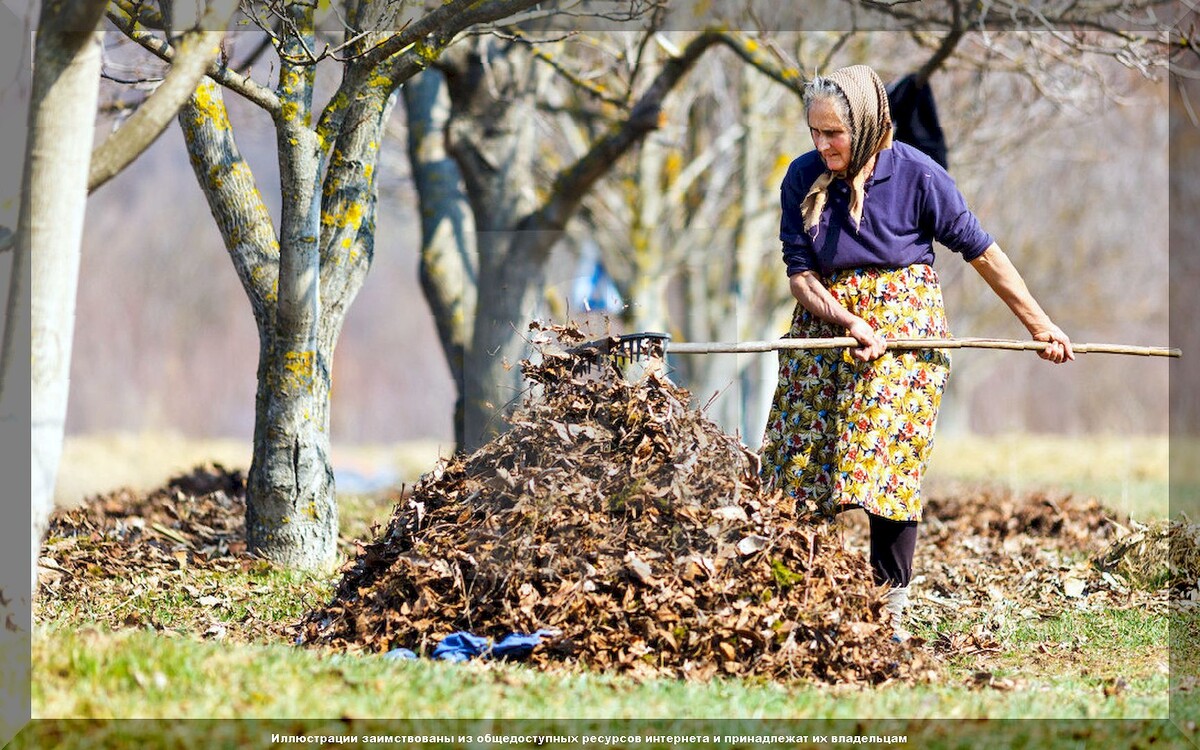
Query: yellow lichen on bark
209	107
428	54
351	216
298	370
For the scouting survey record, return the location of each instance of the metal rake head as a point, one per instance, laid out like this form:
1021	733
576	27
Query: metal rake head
631	349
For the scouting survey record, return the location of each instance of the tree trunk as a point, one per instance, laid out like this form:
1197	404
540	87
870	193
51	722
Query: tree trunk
293	519
291	509
490	136
291	514
513	267
650	236
448	259
62	109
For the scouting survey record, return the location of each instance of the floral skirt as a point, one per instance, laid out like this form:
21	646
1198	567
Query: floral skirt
844	433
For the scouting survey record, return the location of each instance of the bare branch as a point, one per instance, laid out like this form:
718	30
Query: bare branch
228	184
143	14
151	82
947	46
248	89
574	182
751	51
592	89
1187	103
444	21
267	42
653	32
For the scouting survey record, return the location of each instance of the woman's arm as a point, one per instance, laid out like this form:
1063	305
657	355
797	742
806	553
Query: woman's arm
812	294
1004	279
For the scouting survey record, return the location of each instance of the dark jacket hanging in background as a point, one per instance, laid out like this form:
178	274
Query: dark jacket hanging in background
915	117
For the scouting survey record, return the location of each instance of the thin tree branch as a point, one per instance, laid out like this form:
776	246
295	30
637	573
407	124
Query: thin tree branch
751	51
132	81
445	20
595	91
837	46
264	44
143	14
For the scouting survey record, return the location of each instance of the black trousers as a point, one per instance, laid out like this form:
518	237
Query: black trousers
892	547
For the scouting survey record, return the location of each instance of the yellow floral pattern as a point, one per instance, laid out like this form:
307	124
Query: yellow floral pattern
848	433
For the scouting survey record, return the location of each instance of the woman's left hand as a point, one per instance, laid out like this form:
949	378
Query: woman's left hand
1058	344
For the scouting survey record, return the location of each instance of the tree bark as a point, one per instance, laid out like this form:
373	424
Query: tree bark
292	518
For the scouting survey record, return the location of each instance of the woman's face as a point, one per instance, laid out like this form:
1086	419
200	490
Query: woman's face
830	135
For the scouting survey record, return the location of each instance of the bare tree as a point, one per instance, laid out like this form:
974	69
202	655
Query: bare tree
488	226
302	278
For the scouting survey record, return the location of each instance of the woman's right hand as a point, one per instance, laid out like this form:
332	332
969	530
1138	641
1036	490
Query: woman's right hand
872	345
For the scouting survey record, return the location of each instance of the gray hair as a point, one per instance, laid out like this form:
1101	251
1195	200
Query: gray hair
820	87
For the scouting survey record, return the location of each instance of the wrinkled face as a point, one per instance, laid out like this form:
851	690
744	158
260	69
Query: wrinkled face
830	135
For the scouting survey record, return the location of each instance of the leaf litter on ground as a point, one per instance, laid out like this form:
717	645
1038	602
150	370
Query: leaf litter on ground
619	516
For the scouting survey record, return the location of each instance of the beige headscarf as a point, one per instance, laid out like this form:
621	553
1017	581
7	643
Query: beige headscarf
870	132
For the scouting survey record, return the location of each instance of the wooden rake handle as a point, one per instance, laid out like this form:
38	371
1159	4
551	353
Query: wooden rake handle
841	342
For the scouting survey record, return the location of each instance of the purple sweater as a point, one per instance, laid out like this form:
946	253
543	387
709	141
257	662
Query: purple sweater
911	201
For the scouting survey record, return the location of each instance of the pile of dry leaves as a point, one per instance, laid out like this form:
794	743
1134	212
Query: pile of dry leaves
197	517
615	513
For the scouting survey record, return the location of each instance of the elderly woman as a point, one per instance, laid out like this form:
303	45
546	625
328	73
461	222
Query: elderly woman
854	428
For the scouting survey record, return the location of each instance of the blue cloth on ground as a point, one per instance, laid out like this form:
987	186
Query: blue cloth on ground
462	646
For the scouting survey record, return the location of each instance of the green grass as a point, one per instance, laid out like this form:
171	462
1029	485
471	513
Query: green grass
1122	651
251	602
140	674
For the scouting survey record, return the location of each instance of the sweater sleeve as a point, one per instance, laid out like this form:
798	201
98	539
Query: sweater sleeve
951	221
797	244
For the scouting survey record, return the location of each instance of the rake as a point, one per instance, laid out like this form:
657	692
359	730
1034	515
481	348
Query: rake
640	347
